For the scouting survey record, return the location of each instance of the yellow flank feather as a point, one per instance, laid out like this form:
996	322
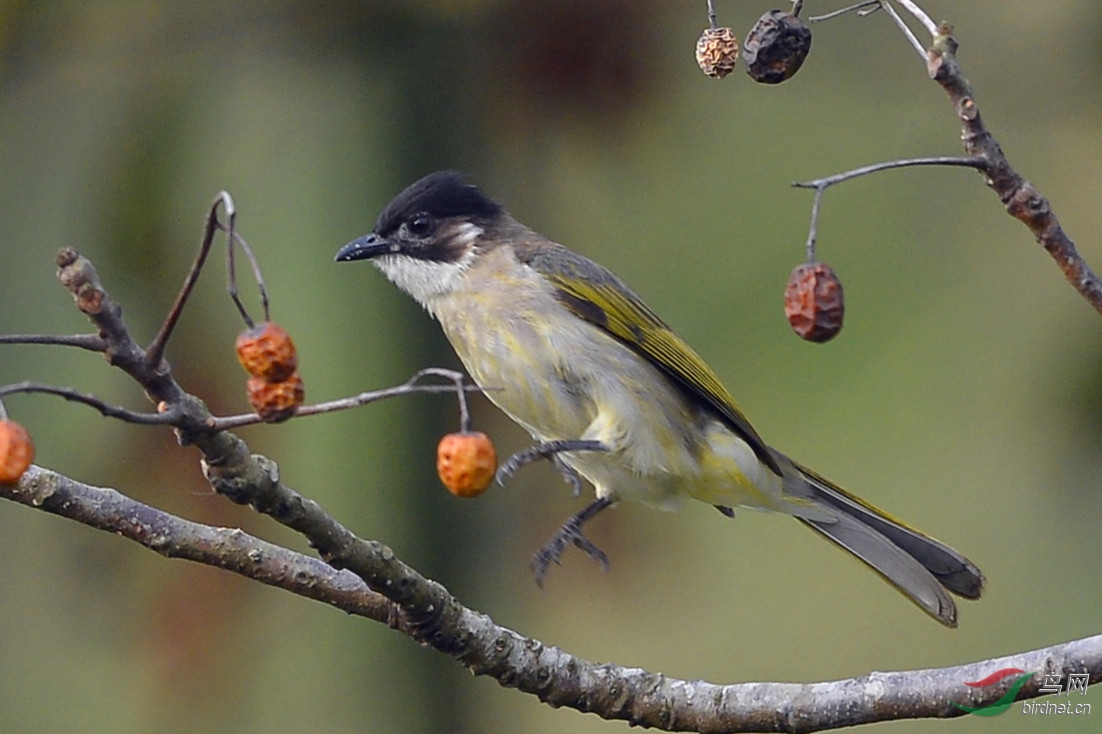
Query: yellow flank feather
613	307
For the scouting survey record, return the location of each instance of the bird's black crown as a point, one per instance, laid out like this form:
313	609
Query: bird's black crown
442	194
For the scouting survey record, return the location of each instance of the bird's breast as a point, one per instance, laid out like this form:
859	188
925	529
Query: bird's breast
562	378
525	354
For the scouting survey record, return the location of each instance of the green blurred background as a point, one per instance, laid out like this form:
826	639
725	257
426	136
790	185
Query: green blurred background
964	395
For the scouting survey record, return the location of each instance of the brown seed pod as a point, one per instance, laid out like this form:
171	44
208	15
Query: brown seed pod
466	463
16	451
276	401
813	302
266	351
717	52
776	47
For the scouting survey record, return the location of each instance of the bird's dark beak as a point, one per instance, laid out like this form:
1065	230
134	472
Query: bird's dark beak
364	248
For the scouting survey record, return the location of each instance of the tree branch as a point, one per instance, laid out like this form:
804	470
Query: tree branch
174	537
91	342
104	408
398	596
1022	199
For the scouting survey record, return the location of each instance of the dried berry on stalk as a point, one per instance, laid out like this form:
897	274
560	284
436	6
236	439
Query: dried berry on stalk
276	401
16	451
717	52
466	463
266	351
813	302
776	47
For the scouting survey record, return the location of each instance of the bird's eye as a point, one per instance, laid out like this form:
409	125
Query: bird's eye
420	225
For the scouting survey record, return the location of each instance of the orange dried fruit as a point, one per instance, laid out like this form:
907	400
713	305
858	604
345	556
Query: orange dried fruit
466	463
276	401
266	351
16	451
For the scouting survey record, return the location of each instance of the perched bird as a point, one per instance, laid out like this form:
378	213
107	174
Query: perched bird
611	393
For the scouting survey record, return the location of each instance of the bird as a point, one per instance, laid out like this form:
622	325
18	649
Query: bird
610	393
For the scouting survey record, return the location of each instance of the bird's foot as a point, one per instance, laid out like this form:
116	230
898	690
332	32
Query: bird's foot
571	534
549	450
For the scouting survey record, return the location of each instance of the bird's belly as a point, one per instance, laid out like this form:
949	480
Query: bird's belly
572	381
555	388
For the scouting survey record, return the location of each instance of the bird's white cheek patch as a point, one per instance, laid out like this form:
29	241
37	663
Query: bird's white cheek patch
466	233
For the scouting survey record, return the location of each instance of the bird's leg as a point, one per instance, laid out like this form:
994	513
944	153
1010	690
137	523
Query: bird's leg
571	534
571	531
549	450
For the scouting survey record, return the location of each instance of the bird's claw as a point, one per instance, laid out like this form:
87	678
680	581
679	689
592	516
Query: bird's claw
553	550
571	534
548	450
569	474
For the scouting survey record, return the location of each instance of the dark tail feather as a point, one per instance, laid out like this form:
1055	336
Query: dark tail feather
955	572
919	566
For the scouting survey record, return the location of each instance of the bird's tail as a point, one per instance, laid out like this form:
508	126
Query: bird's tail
923	568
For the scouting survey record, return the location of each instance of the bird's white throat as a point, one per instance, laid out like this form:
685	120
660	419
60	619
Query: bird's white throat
426	279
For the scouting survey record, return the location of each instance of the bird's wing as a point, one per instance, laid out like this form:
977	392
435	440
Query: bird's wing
594	294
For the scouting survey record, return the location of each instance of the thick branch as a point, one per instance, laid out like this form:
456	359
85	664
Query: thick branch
434	617
173	537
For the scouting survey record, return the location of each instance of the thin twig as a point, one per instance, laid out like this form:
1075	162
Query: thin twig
842	11
920	14
91	342
910	36
111	411
233	238
230	422
822	184
813	228
459	385
827	181
868	7
155	351
461	395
